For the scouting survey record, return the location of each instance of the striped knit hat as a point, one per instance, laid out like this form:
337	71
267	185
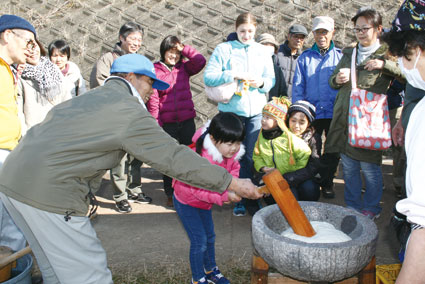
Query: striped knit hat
278	108
305	107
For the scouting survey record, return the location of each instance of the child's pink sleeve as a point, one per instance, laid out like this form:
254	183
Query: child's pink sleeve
234	170
210	196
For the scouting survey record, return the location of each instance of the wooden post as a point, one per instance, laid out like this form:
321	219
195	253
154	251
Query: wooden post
287	203
368	274
259	270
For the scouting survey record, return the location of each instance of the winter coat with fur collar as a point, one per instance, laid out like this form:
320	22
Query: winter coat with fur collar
201	198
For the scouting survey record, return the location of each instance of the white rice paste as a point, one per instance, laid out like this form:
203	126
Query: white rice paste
325	233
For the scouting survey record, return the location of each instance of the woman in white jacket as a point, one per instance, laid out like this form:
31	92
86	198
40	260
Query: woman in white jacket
59	54
406	40
40	87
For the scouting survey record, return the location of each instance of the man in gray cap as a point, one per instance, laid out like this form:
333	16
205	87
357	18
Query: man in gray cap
288	53
16	40
48	182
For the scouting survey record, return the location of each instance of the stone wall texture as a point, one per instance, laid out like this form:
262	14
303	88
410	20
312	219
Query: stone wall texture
91	26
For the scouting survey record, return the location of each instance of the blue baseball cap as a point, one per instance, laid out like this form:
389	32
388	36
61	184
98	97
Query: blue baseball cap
8	22
138	64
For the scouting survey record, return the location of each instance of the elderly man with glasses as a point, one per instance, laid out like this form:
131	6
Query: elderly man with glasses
314	67
16	40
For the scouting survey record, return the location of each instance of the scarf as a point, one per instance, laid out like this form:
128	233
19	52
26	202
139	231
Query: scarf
47	77
272	133
364	52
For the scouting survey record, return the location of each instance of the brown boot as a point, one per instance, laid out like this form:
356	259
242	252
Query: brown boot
170	201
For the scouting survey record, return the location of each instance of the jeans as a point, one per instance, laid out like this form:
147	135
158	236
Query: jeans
307	191
199	227
183	133
353	184
252	129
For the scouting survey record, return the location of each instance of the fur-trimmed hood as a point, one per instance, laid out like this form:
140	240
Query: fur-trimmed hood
212	150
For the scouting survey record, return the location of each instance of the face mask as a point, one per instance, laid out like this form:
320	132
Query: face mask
413	76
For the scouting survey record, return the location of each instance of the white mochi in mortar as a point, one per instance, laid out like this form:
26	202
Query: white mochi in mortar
325	233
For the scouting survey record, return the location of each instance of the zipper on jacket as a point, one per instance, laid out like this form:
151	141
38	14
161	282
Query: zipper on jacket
247	66
271	145
175	98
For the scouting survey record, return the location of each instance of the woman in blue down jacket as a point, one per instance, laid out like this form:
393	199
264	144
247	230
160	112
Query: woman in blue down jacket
247	61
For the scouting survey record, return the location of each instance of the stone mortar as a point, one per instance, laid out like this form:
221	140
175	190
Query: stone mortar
314	261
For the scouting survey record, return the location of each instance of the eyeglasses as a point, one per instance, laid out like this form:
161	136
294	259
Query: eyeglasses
362	30
30	43
321	32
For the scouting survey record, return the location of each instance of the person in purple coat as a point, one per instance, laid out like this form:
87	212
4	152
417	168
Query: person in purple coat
174	108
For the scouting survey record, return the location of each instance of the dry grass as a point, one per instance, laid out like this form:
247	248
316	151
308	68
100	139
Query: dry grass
236	270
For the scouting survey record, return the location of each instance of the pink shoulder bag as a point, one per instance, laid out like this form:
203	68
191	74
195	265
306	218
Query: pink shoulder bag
368	118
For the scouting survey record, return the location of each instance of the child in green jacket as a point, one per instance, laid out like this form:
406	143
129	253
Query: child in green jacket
277	147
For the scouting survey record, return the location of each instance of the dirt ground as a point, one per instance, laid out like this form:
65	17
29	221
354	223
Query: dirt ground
152	235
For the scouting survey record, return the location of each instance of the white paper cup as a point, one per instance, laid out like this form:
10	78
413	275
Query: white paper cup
345	71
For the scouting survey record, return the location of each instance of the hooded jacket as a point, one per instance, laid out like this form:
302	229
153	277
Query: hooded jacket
275	153
198	197
234	56
175	104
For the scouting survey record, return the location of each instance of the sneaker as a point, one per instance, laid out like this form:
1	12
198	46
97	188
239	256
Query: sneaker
216	277
372	216
139	198
123	206
170	202
328	192
239	210
200	281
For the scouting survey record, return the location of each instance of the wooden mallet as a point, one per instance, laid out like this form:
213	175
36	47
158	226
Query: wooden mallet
291	209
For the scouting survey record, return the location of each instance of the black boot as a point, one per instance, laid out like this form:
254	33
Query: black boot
328	192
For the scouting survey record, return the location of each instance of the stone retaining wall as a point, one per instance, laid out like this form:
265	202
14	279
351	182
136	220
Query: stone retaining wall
91	26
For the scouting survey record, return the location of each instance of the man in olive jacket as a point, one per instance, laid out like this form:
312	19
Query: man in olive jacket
49	180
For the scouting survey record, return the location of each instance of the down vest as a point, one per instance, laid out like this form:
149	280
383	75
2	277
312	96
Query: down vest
175	104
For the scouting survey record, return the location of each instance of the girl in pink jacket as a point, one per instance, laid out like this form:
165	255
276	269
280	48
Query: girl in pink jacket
220	143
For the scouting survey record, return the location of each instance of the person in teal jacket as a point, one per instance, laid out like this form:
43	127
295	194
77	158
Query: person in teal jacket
248	62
